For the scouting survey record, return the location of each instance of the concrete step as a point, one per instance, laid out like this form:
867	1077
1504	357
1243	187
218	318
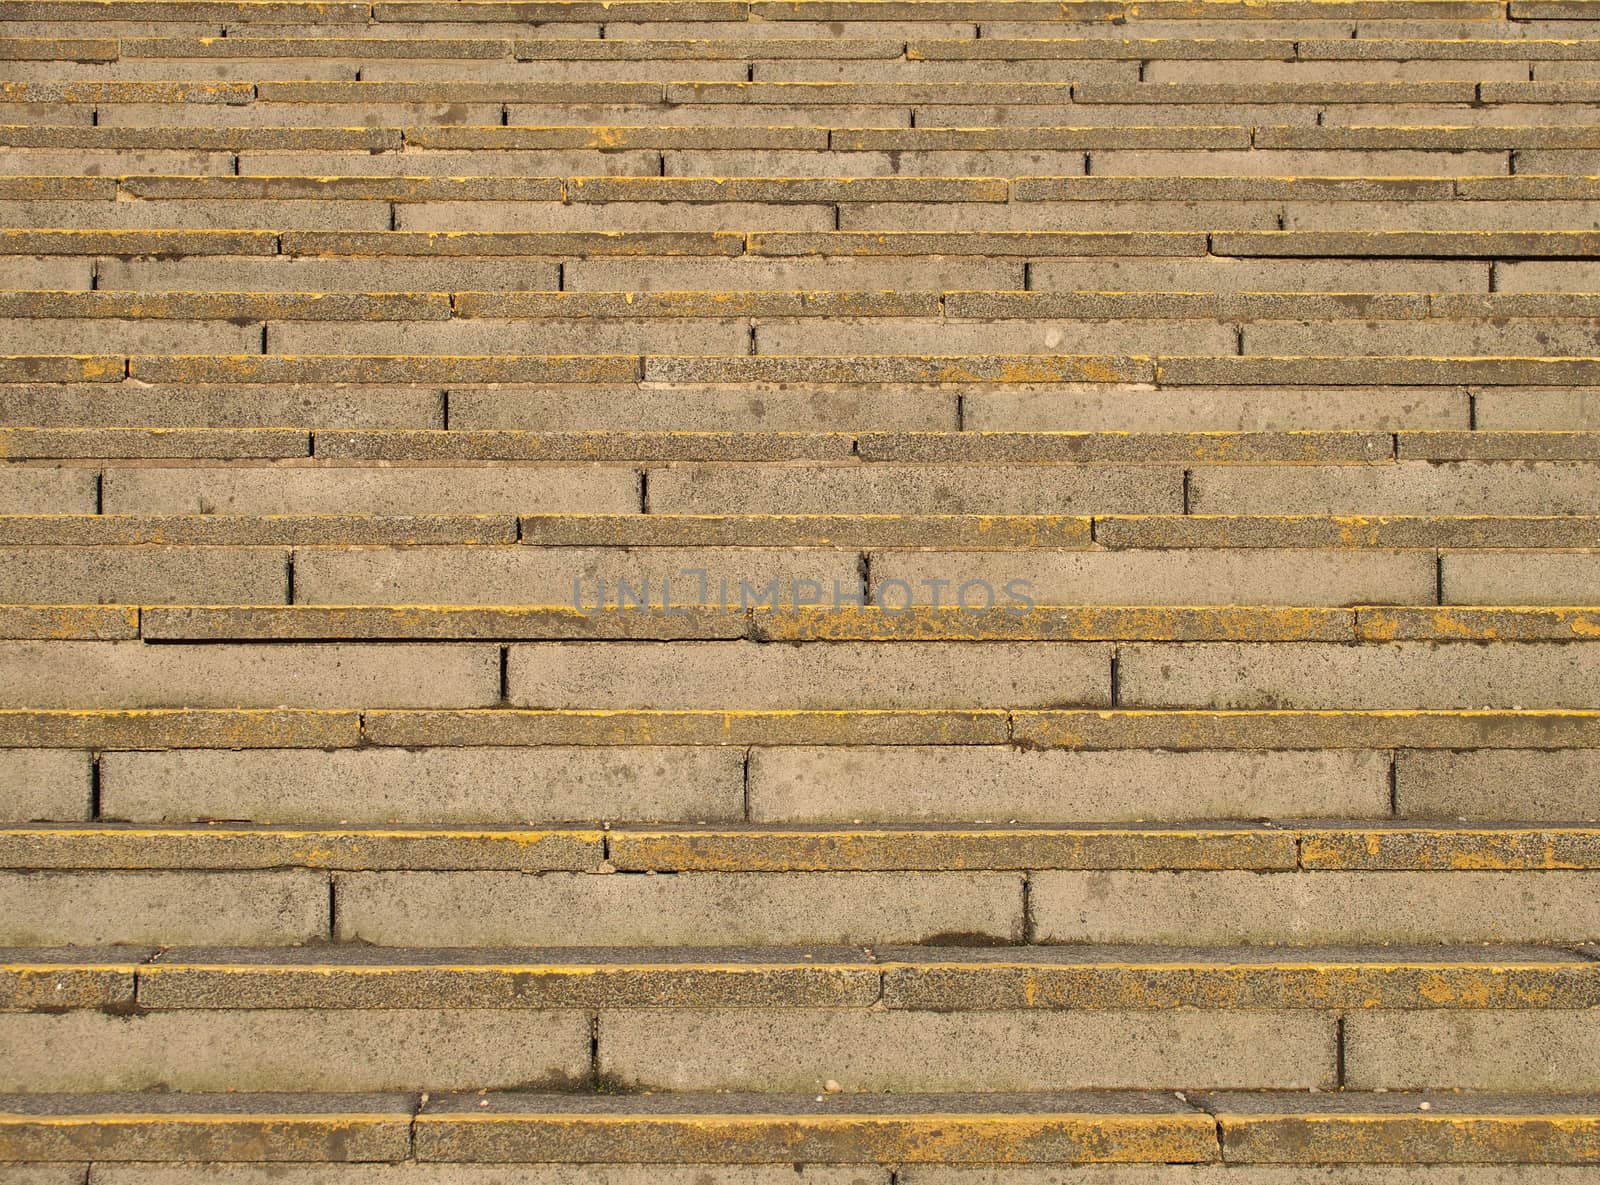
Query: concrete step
1010	979
289	906
1291	1128
343	337
1277	847
1084	730
612	1019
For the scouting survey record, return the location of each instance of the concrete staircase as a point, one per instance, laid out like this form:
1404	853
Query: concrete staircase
865	592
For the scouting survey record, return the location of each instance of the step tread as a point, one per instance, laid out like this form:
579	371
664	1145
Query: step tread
1214	845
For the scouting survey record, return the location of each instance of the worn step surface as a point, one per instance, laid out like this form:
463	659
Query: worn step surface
893	592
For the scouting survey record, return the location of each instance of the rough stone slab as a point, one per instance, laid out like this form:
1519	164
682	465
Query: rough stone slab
706	408
38	489
1542	275
748	675
357	48
635	305
1454	138
716	137
1424	244
55	188
83	90
444	622
1237	274
1079	977
1015	581
45	980
627	217
805	530
253	368
1506	784
783	189
332	675
1320	729
240	530
1353	91
229	306
1448	622
366	489
1511	335
179	728
201	139
739	49
196	1127
1523	187
102	908
1245	675
155	243
1456	49
220	847
1167	244
274	12
63	49
445	785
135	575
783	1129
1087	49
813	273
1065	623
1309	530
486	87
1236	908
48	1174
660	581
1511	304
1523	578
864	25
902	1050
947	10
26	444
1502	849
548	978
224	405
392	273
846	784
1407	488
932	139
1363	1128
1510	214
878	368
575	909
1487	1051
387	189
493	445
493	243
917	489
1576	10
1218	305
1221	189
267	1050
1141	408
545	163
45	784
69	622
881	848
62	368
1122	447
38	336
538	11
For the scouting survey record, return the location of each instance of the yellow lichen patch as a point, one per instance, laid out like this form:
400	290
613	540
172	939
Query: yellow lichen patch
1583	625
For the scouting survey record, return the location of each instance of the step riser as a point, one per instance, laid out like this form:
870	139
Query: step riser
794	1050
